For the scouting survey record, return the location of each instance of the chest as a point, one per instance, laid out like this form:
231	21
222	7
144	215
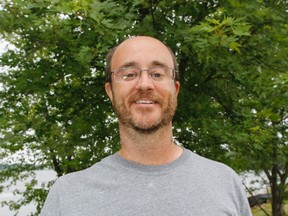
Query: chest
149	196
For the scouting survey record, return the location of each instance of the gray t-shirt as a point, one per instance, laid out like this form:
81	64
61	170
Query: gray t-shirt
190	185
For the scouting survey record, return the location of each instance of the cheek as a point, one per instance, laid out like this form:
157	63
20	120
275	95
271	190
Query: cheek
167	92
120	95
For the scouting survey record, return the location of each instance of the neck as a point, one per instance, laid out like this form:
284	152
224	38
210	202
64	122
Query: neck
151	149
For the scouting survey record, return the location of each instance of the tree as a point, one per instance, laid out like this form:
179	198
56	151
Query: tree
264	65
233	71
53	106
247	97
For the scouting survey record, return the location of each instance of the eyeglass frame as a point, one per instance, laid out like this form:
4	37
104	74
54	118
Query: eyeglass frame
174	72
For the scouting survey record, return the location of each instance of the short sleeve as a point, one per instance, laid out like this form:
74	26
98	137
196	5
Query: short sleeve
52	205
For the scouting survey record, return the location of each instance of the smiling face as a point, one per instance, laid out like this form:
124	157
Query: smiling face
144	105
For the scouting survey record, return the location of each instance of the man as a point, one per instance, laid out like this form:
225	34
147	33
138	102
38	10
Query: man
150	175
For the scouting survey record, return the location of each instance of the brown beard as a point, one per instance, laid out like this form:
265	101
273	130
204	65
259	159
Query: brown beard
125	116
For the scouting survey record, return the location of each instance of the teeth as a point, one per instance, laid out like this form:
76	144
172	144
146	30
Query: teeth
144	102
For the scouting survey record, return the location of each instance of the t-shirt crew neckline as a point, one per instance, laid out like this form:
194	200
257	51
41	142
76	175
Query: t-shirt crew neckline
152	168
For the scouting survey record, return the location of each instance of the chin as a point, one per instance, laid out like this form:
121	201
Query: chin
147	130
149	127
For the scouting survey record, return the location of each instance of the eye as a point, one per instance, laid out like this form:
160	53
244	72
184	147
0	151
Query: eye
157	73
128	74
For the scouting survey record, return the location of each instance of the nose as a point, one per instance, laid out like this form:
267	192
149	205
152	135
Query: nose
145	82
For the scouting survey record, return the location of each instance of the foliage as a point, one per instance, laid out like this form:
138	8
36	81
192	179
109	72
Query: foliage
232	58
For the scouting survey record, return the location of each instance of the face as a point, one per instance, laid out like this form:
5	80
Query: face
144	105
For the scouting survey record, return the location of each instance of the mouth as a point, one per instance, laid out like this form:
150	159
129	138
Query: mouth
145	102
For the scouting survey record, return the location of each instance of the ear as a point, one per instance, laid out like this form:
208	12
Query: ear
108	89
177	87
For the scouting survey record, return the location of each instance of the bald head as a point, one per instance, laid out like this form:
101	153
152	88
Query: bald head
136	45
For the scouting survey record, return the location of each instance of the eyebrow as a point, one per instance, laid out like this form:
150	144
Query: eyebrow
158	63
135	64
129	64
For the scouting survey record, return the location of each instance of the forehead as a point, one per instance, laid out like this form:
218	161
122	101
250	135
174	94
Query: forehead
143	51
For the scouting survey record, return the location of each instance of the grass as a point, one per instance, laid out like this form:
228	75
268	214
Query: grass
256	211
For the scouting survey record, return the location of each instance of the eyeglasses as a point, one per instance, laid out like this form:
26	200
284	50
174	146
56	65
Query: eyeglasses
128	74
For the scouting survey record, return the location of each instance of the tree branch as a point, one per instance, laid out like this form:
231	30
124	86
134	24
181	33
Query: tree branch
152	14
268	174
254	198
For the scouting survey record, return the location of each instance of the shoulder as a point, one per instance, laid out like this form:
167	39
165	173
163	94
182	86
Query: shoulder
219	178
211	167
98	170
215	174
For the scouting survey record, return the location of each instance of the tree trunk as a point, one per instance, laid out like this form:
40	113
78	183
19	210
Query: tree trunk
276	189
277	198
